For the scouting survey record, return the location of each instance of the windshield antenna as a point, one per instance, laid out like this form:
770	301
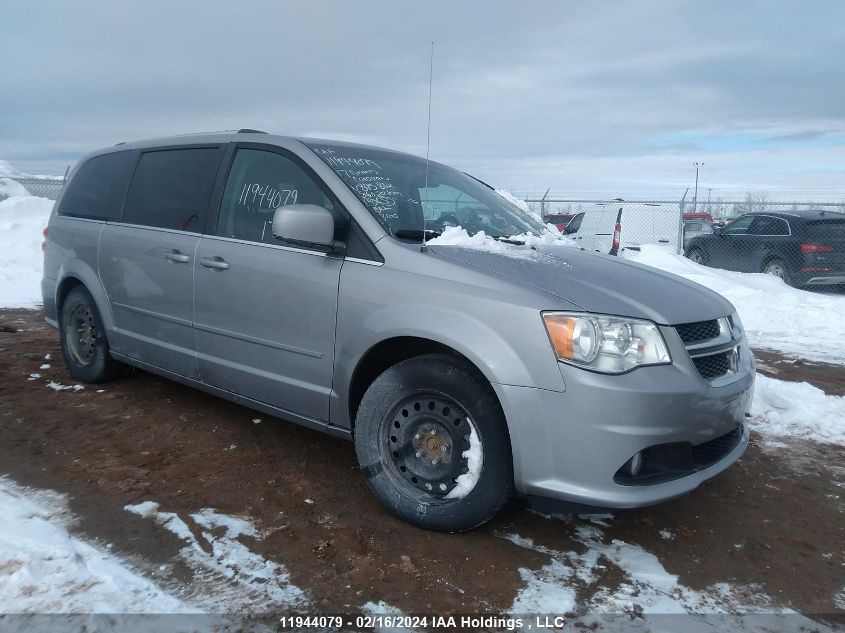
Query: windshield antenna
424	247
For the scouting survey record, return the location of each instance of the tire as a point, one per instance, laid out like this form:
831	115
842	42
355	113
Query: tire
696	255
777	268
413	413
83	339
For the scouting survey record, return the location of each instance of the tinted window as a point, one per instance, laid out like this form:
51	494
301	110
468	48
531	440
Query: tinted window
693	226
97	189
171	188
833	229
739	226
767	225
259	183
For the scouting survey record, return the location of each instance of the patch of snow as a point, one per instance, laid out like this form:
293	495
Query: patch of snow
47	357
666	535
57	386
839	599
475	461
775	316
797	409
647	587
44	569
458	236
22	219
310	502
384	609
34	376
256	421
228	574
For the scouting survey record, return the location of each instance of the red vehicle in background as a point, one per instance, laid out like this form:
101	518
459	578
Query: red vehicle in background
560	220
698	216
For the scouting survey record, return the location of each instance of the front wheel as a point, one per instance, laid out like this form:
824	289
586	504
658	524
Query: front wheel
432	441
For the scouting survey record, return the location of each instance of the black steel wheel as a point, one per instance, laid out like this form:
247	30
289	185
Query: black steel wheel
83	338
433	443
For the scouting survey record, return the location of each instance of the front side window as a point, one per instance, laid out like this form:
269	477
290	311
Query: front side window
406	196
767	225
259	183
171	188
739	226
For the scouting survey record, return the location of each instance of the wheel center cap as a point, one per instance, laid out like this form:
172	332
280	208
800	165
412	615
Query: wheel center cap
433	444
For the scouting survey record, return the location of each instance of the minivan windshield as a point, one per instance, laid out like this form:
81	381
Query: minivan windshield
411	201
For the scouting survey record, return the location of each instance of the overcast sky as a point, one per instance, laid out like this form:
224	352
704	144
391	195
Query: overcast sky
617	98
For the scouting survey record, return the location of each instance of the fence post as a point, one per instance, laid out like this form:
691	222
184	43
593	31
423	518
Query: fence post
543	203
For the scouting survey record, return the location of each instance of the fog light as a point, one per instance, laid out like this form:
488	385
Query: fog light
635	464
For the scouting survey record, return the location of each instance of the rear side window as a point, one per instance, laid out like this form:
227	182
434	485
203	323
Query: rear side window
97	189
573	226
171	188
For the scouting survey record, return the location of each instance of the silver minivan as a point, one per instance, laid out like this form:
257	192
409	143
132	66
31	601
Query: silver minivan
305	278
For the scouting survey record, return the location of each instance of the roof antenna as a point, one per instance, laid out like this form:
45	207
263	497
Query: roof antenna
424	246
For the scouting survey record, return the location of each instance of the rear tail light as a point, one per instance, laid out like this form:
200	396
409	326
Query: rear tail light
816	248
44	243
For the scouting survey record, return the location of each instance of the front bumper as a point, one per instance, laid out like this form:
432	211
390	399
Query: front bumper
569	445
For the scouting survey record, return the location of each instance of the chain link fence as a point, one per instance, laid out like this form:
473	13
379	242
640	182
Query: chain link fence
801	242
42	187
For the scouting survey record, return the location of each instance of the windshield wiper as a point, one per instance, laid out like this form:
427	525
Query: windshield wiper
507	239
415	234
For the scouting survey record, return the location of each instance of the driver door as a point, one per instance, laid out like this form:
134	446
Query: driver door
265	312
725	246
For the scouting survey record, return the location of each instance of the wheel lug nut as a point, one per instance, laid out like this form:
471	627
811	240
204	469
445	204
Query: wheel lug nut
433	432
419	453
443	449
434	462
417	436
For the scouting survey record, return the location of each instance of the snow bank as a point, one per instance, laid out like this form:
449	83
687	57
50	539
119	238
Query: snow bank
797	409
43	569
22	219
776	316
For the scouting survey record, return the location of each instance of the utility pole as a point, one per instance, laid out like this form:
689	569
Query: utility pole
695	195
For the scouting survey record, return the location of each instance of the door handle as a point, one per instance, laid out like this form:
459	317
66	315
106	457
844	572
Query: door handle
215	263
177	257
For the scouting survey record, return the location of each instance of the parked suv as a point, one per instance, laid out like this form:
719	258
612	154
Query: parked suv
294	276
804	248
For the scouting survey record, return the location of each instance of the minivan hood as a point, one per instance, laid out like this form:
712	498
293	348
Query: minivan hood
598	283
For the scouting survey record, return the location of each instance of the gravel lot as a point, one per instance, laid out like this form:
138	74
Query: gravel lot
770	526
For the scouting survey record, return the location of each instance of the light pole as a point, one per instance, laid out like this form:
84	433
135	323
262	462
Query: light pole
695	195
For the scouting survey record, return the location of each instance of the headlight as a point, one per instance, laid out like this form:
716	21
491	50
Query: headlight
607	344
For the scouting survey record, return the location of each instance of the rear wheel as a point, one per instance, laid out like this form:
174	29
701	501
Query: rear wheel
777	268
696	255
83	338
432	441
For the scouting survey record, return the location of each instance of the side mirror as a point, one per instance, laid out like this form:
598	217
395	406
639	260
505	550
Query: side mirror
305	225
717	229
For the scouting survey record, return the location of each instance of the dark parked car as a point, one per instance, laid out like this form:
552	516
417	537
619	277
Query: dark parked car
804	248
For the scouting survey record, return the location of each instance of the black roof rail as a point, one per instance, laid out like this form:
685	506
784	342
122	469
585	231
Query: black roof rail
247	130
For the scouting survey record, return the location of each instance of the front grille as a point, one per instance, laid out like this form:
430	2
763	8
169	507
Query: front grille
709	453
714	365
692	333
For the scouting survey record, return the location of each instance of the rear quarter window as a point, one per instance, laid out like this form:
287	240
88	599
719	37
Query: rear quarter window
172	187
820	230
97	189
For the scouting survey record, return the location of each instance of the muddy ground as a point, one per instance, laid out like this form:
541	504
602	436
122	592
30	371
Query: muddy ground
774	521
